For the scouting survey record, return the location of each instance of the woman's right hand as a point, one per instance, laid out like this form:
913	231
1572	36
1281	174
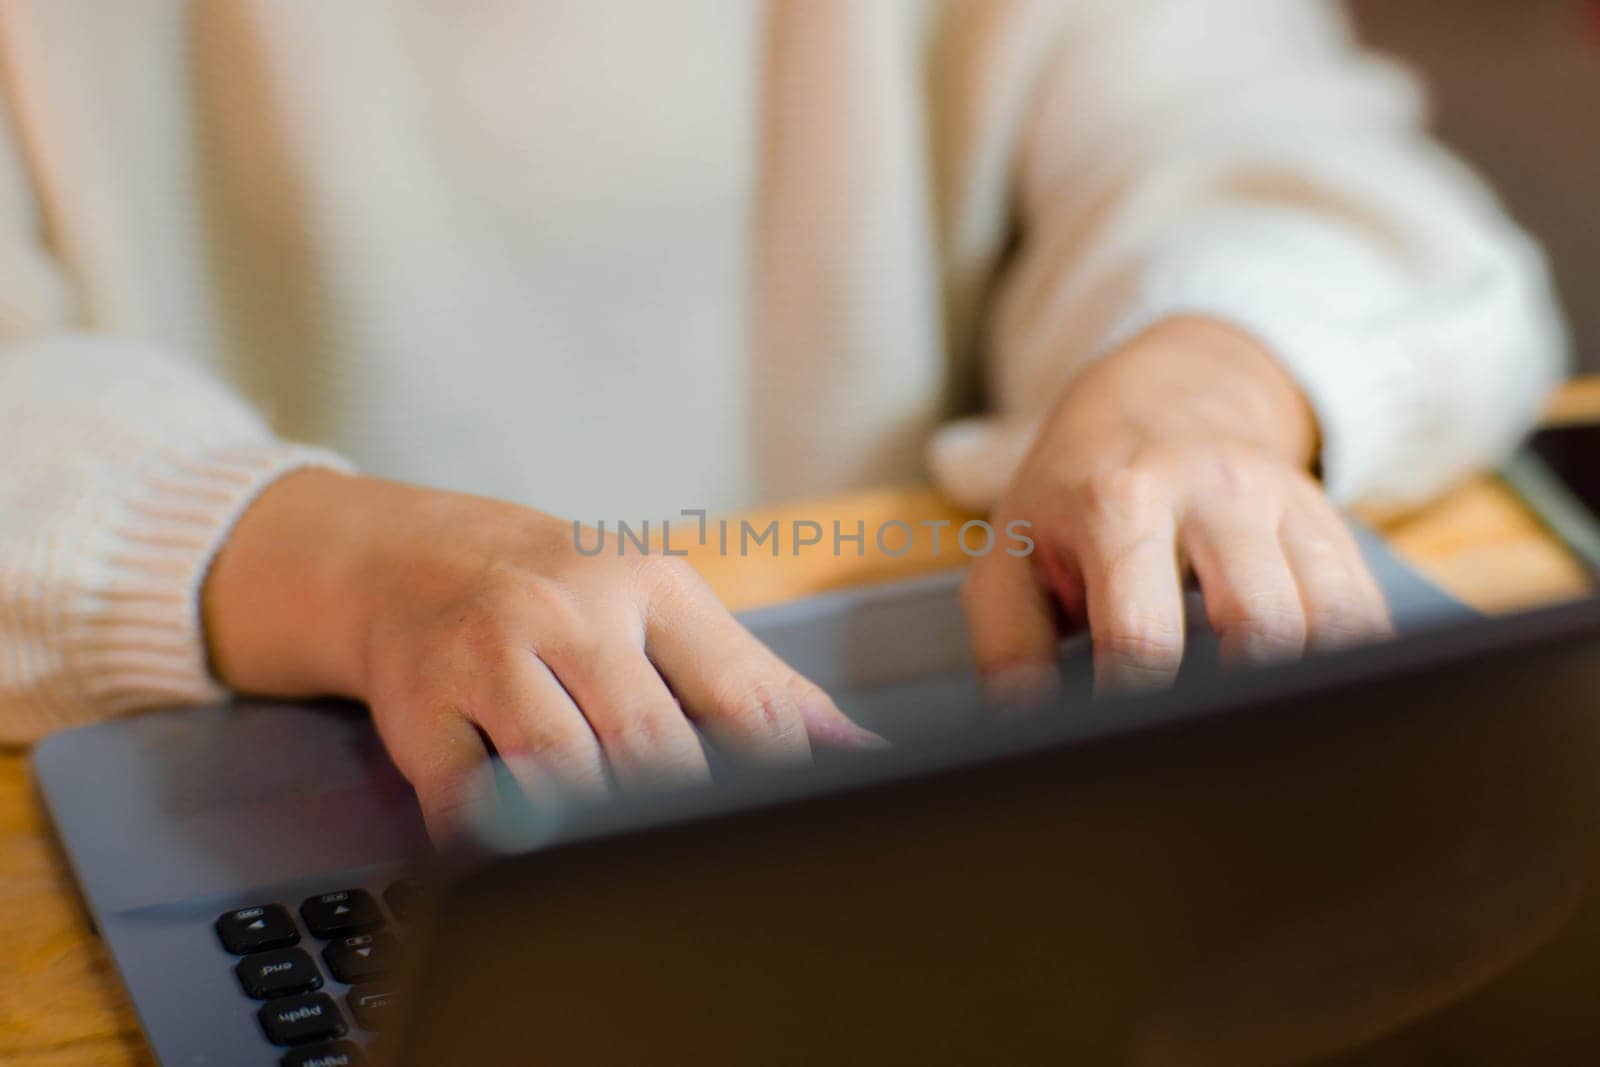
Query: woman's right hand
457	618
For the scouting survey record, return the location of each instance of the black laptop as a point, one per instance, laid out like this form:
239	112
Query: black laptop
1254	868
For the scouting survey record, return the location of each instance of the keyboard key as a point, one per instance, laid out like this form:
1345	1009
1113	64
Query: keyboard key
408	898
361	958
279	973
349	911
372	1005
301	1020
334	1054
256	929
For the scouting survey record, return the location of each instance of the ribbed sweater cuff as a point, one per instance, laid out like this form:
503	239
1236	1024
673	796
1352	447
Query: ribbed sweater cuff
1363	389
133	634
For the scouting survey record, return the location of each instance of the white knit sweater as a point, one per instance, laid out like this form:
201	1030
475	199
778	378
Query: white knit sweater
614	259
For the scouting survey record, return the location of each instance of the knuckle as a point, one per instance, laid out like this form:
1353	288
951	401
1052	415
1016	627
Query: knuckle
805	694
448	796
560	746
1267	620
564	630
652	739
1322	554
1122	558
1346	618
423	705
658	576
476	626
575	647
1227	473
551	602
668	568
493	666
1337	632
766	707
1151	644
665	588
503	599
1123	493
646	728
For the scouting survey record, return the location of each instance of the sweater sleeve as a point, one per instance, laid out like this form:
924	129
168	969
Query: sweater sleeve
1244	160
122	469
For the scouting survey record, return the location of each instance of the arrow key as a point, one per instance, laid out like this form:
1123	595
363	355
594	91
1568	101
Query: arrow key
349	911
256	929
363	957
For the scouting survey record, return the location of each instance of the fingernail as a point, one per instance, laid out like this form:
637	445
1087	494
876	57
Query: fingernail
846	734
826	723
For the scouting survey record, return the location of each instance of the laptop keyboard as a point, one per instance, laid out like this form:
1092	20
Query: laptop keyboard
279	966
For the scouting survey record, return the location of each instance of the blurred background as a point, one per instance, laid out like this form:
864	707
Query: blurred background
1516	88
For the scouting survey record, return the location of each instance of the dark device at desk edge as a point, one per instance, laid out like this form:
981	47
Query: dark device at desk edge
1558	476
1391	846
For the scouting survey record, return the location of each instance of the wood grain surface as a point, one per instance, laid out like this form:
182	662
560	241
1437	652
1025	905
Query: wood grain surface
60	1002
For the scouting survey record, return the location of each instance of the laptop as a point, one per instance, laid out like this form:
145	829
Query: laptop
253	868
1385	857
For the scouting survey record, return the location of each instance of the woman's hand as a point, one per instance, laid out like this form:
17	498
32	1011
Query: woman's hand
1187	449
457	619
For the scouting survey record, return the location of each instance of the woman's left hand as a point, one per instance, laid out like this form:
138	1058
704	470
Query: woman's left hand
1188	449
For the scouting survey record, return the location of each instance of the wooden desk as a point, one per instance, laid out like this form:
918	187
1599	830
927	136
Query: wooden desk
61	1005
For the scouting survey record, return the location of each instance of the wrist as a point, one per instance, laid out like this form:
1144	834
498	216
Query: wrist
1198	376
283	606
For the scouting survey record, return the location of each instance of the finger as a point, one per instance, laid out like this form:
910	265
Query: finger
441	754
746	699
826	725
1250	593
536	726
1134	592
1013	628
642	730
1342	601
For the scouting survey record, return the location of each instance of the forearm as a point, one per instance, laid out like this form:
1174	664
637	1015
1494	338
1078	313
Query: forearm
1192	376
